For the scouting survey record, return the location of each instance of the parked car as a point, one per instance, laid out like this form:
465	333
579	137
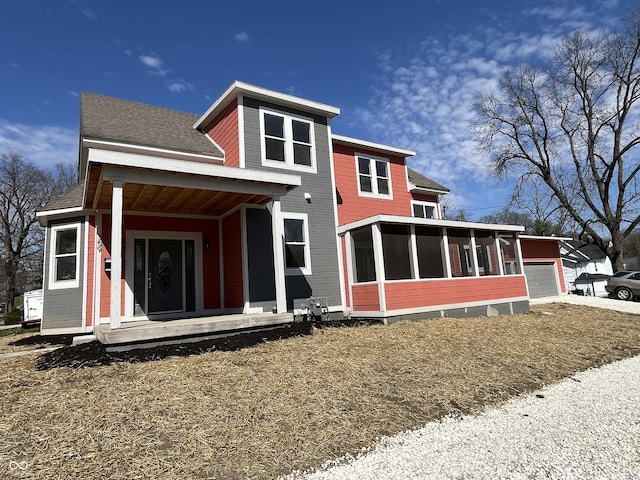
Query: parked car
624	285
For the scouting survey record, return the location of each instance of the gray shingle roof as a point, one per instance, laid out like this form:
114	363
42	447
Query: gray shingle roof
107	118
421	181
588	249
72	198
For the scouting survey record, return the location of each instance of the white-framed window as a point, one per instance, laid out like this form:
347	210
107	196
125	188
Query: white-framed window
64	267
422	209
374	176
297	253
287	141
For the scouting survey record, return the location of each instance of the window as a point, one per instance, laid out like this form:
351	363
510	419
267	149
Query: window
395	251
365	265
297	257
487	254
425	209
509	258
429	250
287	141
374	179
459	244
65	257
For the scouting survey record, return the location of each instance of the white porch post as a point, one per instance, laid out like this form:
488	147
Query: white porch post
473	254
116	254
378	256
278	255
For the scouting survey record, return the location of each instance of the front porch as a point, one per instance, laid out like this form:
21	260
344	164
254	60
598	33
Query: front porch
149	333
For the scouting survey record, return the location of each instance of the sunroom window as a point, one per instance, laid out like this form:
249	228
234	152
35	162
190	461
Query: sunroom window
374	178
287	141
510	261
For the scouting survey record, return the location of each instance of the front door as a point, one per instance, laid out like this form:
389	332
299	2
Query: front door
164	276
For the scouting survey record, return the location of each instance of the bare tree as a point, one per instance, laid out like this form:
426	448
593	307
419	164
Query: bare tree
575	124
23	189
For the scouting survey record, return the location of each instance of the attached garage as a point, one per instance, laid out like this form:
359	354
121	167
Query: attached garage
542	279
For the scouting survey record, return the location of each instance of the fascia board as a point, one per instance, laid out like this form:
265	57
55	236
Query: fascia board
378	147
260	93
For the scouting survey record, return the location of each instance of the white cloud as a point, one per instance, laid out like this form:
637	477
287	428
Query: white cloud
43	145
14	65
179	86
151	61
423	97
241	37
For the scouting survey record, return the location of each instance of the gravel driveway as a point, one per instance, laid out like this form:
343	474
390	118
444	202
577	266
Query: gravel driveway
586	427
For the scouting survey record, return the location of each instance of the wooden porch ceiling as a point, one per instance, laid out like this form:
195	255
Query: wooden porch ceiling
167	199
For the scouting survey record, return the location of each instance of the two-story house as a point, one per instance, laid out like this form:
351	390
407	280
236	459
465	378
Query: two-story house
235	217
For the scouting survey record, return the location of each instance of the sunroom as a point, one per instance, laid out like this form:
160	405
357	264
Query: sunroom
399	267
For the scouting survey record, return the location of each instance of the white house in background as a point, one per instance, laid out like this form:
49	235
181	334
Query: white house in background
586	267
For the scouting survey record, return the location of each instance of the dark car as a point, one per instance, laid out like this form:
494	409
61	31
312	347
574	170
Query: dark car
624	285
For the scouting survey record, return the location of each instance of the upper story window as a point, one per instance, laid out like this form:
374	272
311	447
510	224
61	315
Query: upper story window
287	141
424	209
65	257
374	176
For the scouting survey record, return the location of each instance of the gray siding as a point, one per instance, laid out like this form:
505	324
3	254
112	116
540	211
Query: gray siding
325	278
262	286
62	308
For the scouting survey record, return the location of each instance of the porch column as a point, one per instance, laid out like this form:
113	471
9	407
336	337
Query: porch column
278	255
378	256
116	254
473	254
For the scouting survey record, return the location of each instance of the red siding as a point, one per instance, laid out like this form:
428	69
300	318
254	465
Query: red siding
91	249
224	131
353	207
544	251
366	298
429	293
232	247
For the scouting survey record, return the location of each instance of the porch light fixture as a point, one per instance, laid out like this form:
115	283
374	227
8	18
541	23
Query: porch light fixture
307	197
207	245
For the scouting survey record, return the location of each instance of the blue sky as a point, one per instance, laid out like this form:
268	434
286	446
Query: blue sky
404	73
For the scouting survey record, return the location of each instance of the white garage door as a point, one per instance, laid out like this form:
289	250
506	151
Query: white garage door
541	279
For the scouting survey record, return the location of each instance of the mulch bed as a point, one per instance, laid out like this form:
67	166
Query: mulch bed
268	404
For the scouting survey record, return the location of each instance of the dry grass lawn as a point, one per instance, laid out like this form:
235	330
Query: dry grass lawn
290	404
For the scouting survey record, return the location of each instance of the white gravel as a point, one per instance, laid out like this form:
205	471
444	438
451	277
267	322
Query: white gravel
586	427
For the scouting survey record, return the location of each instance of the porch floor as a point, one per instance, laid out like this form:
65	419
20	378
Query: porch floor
162	331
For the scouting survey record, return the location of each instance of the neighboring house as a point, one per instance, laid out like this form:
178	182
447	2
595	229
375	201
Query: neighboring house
586	267
250	209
